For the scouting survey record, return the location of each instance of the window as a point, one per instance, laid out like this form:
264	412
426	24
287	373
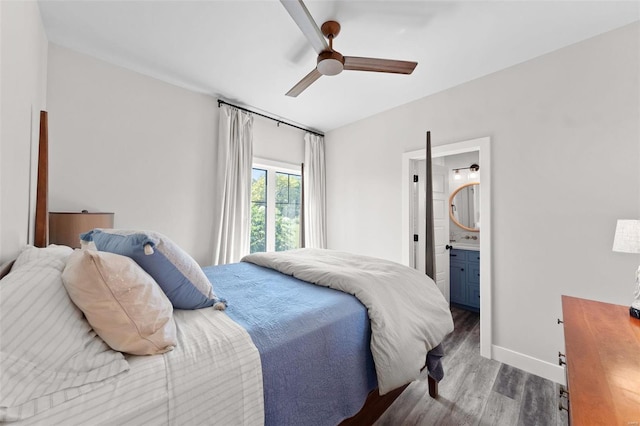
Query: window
275	207
258	210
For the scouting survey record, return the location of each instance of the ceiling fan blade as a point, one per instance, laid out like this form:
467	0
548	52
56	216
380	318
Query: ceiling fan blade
355	63
304	83
307	25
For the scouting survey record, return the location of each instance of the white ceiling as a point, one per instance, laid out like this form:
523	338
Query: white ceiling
252	53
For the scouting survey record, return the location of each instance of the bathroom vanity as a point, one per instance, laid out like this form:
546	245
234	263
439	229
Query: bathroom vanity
464	267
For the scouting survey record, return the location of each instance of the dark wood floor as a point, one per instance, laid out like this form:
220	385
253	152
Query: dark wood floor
475	390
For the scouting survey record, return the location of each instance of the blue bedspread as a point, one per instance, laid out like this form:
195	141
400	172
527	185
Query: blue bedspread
313	341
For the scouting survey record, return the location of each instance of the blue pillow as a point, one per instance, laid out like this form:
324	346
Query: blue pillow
177	273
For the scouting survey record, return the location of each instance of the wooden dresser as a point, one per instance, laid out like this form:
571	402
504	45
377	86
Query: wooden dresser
602	348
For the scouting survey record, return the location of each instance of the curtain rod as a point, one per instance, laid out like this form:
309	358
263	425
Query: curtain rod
220	102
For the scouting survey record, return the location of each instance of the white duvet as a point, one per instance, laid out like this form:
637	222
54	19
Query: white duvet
408	314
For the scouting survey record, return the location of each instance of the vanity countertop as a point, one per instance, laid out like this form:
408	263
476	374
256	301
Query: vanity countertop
463	246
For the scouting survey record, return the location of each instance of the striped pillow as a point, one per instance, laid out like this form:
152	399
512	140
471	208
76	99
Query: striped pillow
31	253
48	352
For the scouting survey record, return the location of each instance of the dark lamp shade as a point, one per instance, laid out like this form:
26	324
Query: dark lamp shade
65	227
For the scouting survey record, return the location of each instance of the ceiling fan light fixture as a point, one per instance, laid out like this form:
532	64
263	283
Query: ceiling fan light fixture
330	67
330	63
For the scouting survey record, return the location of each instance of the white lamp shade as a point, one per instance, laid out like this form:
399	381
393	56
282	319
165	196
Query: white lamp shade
627	238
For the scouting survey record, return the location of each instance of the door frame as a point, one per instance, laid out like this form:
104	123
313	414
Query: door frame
482	145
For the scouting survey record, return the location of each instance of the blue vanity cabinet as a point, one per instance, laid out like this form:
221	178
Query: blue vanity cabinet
457	277
464	276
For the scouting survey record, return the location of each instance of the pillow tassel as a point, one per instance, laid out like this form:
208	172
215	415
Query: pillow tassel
148	250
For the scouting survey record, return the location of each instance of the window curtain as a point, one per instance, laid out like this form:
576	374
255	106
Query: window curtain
232	186
315	225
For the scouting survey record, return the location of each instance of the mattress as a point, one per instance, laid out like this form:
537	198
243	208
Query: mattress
212	376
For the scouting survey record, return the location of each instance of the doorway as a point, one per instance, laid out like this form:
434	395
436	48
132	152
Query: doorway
409	160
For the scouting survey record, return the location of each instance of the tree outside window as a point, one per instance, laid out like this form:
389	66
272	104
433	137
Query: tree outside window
287	211
275	210
258	210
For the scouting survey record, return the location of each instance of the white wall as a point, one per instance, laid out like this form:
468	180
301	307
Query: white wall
127	143
277	143
23	66
565	150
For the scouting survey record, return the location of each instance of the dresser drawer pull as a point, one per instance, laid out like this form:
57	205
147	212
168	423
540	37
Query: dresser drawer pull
560	360
562	407
560	321
564	393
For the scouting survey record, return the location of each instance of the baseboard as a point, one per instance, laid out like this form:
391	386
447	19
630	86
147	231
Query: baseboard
549	371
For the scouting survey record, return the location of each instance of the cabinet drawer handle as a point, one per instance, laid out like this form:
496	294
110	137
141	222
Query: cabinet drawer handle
564	393
560	360
560	321
562	407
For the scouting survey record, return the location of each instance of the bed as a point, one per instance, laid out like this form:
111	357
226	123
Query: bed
294	346
306	359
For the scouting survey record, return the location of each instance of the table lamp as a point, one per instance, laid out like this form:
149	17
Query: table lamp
627	240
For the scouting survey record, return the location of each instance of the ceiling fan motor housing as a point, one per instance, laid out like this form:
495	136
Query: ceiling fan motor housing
330	62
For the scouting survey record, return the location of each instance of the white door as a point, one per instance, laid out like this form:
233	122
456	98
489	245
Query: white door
441	227
440	223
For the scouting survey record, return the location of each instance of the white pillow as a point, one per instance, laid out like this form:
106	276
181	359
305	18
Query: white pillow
123	304
31	253
49	353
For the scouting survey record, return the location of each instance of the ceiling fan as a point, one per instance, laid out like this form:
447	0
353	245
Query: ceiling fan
331	62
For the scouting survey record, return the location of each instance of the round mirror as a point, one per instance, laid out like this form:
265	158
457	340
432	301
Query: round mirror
464	206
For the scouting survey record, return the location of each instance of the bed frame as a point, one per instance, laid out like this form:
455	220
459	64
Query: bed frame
375	403
41	228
